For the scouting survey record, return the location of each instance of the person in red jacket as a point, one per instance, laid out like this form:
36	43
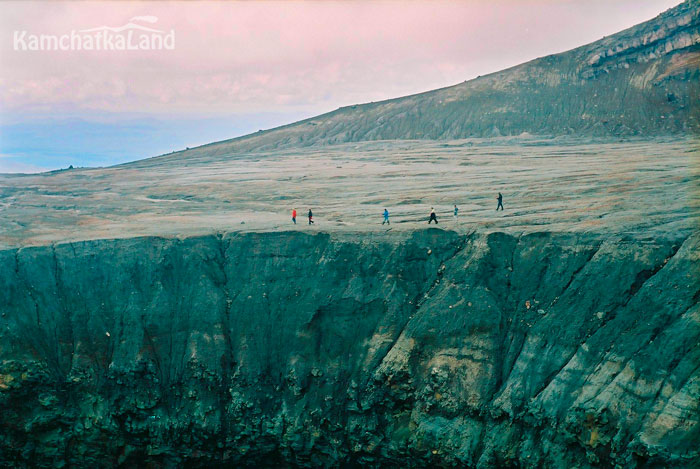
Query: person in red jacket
294	215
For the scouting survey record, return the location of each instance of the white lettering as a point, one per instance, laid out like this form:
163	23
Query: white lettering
96	39
19	40
48	42
169	41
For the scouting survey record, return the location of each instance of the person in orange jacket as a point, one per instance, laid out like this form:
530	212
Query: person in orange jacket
294	215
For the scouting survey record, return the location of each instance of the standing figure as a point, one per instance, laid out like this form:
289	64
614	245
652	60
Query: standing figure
456	210
386	217
500	202
294	215
311	217
433	217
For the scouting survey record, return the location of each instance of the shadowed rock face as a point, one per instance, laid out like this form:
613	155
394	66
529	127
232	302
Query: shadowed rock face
291	349
642	81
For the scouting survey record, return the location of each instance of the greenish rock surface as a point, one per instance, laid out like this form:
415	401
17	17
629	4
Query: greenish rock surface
428	348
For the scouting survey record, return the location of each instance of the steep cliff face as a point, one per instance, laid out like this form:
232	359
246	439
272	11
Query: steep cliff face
641	81
292	349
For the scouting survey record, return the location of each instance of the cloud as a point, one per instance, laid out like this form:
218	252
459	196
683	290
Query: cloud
237	60
237	57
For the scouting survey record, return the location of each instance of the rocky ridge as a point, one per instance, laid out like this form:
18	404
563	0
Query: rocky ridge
642	81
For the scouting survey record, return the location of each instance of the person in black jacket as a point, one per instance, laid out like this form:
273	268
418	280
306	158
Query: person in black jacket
433	217
311	217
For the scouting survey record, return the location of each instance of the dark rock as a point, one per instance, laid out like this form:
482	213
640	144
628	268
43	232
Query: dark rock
368	361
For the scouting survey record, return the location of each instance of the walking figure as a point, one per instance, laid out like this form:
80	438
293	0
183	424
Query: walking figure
433	217
386	217
311	217
500	202
294	215
456	210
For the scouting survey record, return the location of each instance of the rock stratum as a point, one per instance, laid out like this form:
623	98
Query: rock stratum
288	349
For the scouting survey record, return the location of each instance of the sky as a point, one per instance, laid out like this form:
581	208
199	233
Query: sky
237	67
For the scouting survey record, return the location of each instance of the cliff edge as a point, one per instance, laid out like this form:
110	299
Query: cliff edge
286	349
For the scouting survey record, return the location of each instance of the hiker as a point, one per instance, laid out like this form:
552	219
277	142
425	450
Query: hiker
386	217
456	210
433	217
294	215
500	202
311	217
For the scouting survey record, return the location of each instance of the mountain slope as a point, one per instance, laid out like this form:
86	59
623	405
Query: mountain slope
641	81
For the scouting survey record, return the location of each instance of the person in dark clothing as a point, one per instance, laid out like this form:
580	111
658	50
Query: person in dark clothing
433	217
500	202
456	210
386	217
311	217
294	215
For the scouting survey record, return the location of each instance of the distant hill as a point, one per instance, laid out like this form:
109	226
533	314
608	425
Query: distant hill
642	81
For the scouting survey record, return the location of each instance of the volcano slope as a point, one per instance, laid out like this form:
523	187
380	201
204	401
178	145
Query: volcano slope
644	81
160	314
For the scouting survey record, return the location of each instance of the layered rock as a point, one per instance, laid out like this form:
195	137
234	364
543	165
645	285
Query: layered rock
430	348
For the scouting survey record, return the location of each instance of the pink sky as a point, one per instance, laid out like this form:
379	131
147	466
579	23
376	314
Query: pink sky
243	57
242	66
